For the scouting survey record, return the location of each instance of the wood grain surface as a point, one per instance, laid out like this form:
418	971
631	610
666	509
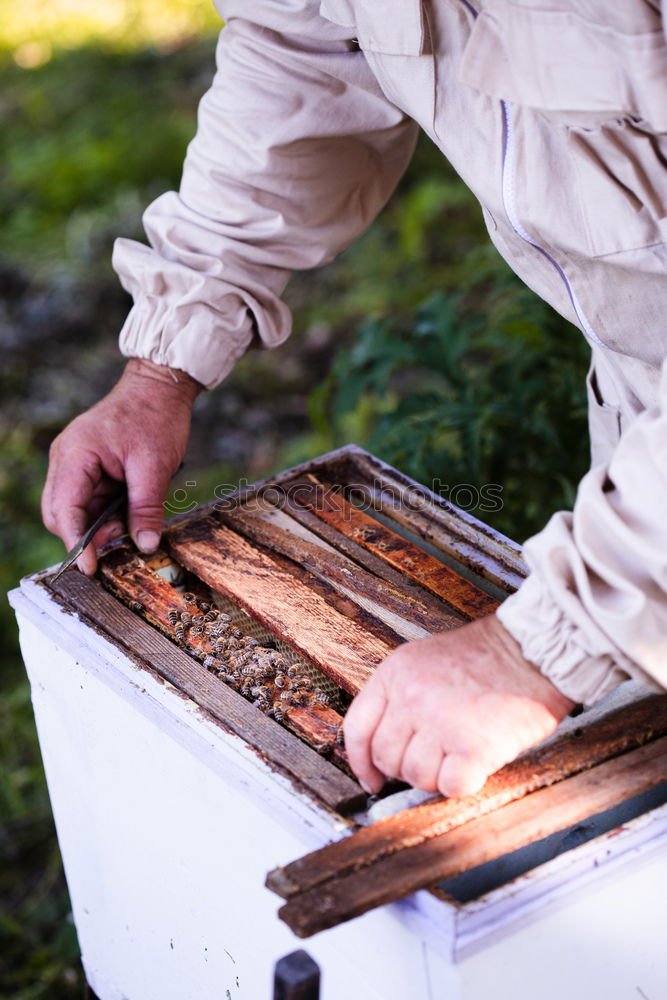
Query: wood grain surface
358	554
482	840
153	651
280	532
131	579
323	500
345	646
555	761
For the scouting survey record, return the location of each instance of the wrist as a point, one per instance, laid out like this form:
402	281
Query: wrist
557	702
176	380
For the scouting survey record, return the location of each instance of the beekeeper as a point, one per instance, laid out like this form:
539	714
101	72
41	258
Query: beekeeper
554	112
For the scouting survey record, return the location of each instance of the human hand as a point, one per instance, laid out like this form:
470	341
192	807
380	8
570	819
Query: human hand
444	713
137	434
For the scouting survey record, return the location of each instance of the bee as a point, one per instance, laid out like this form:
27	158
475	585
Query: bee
186	618
197	619
245	655
292	670
278	713
324	748
248	670
217	636
196	630
136	606
260	691
223	618
300	697
249	642
210	616
210	662
287	697
262	704
246	689
172	616
203	606
189	598
340	737
280	680
322	697
180	632
307	683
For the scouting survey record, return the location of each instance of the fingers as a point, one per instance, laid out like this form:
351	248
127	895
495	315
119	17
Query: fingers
388	742
461	774
361	720
138	434
87	561
109	532
421	762
147	484
69	492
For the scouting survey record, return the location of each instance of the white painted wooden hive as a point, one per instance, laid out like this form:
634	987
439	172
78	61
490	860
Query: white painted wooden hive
174	794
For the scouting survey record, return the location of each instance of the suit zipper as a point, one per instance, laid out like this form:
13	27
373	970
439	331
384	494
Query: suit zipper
508	186
509	204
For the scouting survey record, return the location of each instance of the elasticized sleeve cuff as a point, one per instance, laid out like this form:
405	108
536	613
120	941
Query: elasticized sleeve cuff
560	650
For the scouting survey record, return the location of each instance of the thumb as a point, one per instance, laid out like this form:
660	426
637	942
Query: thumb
147	483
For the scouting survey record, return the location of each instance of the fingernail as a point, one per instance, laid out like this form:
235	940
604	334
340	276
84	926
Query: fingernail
115	533
366	788
147	541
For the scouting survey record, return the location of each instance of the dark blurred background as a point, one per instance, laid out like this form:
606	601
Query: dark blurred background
417	343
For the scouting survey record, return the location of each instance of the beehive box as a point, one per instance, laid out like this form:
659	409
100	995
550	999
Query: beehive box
189	707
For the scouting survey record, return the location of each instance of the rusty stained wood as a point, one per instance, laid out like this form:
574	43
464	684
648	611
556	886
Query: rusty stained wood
360	556
279	532
152	651
456	532
326	502
516	825
555	761
289	602
133	581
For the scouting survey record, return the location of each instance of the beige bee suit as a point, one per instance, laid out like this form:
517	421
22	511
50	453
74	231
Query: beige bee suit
555	115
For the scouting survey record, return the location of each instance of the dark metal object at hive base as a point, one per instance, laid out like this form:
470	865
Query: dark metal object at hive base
297	977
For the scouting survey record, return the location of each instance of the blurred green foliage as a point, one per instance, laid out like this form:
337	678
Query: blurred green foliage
91	134
455	395
457	373
84	155
417	343
32	29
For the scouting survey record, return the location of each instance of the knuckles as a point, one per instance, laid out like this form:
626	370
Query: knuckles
421	777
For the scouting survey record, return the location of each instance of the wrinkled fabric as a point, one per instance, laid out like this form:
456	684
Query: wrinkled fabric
554	113
296	152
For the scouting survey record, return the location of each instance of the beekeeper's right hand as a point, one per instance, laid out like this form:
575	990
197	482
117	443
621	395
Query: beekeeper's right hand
137	434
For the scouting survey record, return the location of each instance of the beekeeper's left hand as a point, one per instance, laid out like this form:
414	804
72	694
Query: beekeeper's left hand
443	713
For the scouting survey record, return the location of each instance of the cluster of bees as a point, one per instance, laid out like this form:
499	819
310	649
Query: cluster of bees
256	671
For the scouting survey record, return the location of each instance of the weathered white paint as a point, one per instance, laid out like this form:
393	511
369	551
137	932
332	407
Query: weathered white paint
167	826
